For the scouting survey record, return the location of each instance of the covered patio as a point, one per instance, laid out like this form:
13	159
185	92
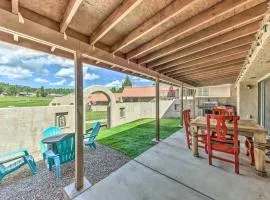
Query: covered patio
185	43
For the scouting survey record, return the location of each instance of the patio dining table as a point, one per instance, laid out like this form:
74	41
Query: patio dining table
53	140
247	128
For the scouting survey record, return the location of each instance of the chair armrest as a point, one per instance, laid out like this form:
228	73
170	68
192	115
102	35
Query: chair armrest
11	159
15	152
50	154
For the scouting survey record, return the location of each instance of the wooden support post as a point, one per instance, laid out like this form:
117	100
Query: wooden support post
157	111
79	121
182	105
194	103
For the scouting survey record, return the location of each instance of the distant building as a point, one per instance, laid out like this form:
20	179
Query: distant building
26	94
129	94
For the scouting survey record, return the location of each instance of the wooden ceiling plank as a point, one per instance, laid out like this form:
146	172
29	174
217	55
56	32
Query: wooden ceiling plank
212	73
206	48
211	51
15	6
242	23
218	65
241	55
170	67
213	15
216	82
215	76
71	10
43	35
117	15
158	19
237	66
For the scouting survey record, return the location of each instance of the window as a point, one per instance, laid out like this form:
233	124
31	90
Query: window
203	92
60	119
122	112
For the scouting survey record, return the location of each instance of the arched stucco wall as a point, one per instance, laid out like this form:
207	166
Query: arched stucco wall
110	96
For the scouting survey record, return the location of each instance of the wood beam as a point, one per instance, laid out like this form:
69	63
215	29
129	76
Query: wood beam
238	25
177	58
15	6
118	14
221	12
232	75
212	74
158	19
204	49
240	55
43	35
216	82
174	65
157	112
72	8
79	122
213	66
208	69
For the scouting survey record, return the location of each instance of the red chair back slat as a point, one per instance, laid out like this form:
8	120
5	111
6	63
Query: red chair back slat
223	111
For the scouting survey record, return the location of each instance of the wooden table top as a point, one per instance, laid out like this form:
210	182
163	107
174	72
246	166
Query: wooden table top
55	138
244	125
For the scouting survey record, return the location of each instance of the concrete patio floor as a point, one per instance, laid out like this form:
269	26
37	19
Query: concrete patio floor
169	171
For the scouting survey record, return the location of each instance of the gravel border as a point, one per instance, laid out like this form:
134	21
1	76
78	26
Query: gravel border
22	185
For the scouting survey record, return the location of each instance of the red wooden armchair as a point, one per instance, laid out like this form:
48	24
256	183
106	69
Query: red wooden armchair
219	141
201	137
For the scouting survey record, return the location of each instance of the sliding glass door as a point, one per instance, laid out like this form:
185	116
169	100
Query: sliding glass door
264	103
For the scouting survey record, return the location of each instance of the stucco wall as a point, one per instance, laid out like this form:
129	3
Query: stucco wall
22	127
248	101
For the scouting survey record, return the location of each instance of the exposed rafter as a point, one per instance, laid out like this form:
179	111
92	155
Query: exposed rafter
243	25
72	8
222	11
161	17
220	65
180	68
15	6
118	14
173	66
209	69
210	51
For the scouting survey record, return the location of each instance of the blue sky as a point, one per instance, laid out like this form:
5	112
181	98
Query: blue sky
23	66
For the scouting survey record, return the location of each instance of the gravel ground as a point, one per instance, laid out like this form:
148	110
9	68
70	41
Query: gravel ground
99	164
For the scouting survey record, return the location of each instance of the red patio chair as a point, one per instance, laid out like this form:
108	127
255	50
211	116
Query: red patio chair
201	137
219	141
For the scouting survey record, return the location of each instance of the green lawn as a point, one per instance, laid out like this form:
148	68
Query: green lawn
95	115
134	138
6	101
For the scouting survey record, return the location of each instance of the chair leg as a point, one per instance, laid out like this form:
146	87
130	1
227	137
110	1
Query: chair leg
31	163
236	162
250	150
57	167
209	155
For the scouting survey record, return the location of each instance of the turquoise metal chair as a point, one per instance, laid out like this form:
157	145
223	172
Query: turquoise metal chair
14	160
64	152
92	135
50	131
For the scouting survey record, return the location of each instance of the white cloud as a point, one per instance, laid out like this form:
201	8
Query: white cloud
58	83
89	76
65	73
71	84
138	79
116	83
41	80
12	72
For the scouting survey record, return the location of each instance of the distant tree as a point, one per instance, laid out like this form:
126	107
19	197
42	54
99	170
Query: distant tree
114	90
127	82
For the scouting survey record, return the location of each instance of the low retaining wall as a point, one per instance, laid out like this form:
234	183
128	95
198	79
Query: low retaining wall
22	127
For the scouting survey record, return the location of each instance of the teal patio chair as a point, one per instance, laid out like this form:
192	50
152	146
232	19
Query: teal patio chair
50	131
64	153
14	160
92	135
